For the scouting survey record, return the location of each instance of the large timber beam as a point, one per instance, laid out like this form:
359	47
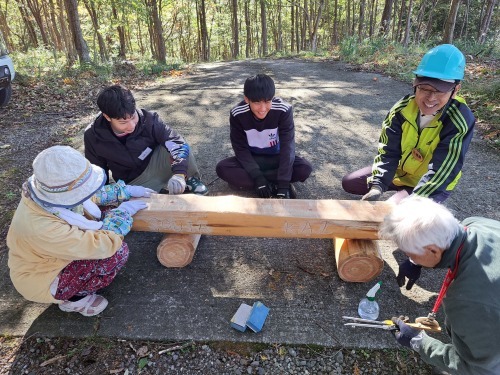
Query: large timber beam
254	217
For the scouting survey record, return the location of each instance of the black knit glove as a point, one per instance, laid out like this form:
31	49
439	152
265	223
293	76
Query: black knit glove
263	187
283	193
409	270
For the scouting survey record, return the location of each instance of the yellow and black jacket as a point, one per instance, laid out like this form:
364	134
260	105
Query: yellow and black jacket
430	159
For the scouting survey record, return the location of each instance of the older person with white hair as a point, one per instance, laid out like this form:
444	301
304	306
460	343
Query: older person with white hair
431	236
62	249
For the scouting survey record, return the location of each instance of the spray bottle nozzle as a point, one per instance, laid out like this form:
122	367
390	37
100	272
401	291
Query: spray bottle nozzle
373	291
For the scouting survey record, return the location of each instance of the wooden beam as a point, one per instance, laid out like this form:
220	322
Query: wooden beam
358	260
255	217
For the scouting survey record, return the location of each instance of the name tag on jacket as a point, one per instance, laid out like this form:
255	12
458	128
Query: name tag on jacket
145	153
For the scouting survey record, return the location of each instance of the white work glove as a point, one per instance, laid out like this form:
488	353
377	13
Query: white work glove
176	184
132	206
139	191
92	209
373	195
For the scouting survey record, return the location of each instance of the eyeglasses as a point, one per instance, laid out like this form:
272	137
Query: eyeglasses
428	92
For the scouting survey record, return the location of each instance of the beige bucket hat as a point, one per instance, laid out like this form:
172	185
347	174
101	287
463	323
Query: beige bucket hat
63	177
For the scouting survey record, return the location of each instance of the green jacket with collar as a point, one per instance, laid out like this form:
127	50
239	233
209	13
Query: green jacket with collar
471	304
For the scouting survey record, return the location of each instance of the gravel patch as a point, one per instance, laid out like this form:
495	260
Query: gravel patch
41	355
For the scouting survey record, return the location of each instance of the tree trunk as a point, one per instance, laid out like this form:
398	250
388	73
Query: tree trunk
385	22
37	14
314	35
157	32
449	26
70	50
121	32
54	26
429	21
28	24
264	26
485	22
292	28
406	39
417	36
236	43
465	20
248	44
76	31
335	23
203	31
103	53
5	30
361	21
297	27
399	32
373	16
394	23
348	17
280	28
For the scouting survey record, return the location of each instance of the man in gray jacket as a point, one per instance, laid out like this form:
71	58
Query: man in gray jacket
429	234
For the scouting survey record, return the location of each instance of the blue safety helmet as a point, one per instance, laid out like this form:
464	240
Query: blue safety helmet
442	62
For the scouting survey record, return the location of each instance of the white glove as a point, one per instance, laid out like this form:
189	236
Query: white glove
373	195
132	206
92	208
176	184
139	191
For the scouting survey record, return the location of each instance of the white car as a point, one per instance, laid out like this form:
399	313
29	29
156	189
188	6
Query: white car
7	73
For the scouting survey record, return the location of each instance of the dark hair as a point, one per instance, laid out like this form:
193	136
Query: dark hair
259	87
116	102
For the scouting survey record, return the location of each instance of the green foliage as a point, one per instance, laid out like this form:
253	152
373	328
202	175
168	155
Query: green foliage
383	55
153	68
474	49
42	65
38	62
142	363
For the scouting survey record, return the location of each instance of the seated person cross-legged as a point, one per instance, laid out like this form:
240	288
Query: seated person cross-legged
262	134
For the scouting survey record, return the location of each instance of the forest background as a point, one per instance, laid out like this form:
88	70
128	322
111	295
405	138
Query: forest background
58	42
65	51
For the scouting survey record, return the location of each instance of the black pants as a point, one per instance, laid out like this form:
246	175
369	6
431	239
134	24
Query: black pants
231	171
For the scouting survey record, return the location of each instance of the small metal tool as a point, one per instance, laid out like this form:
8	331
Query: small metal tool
387	324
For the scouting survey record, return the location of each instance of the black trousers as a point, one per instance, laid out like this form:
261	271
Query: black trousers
231	171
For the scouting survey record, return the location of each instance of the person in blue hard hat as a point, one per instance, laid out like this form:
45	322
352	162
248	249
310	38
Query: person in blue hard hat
424	139
425	135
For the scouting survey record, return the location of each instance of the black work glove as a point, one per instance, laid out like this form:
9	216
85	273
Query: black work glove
405	333
409	270
283	193
263	187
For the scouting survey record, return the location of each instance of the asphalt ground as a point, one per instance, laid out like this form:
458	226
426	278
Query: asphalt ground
338	114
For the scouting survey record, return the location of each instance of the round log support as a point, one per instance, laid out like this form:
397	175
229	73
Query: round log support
177	250
357	260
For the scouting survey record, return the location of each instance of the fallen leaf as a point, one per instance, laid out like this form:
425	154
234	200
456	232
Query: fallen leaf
142	351
52	360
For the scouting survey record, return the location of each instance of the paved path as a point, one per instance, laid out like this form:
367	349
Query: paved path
338	113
